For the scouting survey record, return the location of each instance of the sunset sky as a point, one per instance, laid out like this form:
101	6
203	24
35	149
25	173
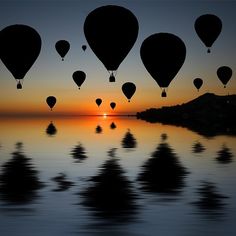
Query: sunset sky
63	19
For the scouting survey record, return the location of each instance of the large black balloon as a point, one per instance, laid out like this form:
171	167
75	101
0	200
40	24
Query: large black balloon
113	105
224	74
98	101
128	89
163	54
198	83
51	101
79	77
111	32
62	47
208	28
20	46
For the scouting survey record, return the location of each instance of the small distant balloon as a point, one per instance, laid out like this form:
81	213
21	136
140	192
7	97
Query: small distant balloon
224	74
113	105
198	83
51	101
62	47
79	77
98	101
19	48
84	47
128	89
208	28
163	54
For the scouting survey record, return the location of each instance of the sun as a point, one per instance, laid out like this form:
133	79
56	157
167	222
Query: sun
104	115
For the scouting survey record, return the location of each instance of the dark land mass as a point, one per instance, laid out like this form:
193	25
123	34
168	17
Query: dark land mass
208	115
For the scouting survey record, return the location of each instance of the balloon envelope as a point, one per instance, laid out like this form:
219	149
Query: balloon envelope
208	28
20	46
111	32
62	47
84	47
98	101
224	74
79	77
51	101
128	89
163	54
113	105
198	83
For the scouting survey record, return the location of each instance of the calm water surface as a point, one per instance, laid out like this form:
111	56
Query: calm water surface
114	176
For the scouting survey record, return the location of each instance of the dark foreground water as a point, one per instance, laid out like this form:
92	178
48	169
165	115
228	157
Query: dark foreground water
114	176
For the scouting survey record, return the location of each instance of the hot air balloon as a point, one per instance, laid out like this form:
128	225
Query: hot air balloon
62	47
113	105
111	32
98	101
198	83
163	55
51	101
208	28
20	46
224	74
128	89
84	47
79	77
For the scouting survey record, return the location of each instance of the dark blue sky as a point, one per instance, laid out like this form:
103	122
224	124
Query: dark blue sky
55	20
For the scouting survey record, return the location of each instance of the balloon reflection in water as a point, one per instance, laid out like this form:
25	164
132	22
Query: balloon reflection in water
110	195
198	147
163	173
19	181
224	155
129	141
112	125
62	182
51	129
79	153
98	129
210	202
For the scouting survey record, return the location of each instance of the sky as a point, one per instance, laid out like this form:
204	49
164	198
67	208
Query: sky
63	19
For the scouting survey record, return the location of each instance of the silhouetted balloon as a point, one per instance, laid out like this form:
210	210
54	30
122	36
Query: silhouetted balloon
98	101
224	74
79	77
163	93
111	32
84	47
208	28
20	46
51	101
163	55
62	47
128	89
198	83
113	105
